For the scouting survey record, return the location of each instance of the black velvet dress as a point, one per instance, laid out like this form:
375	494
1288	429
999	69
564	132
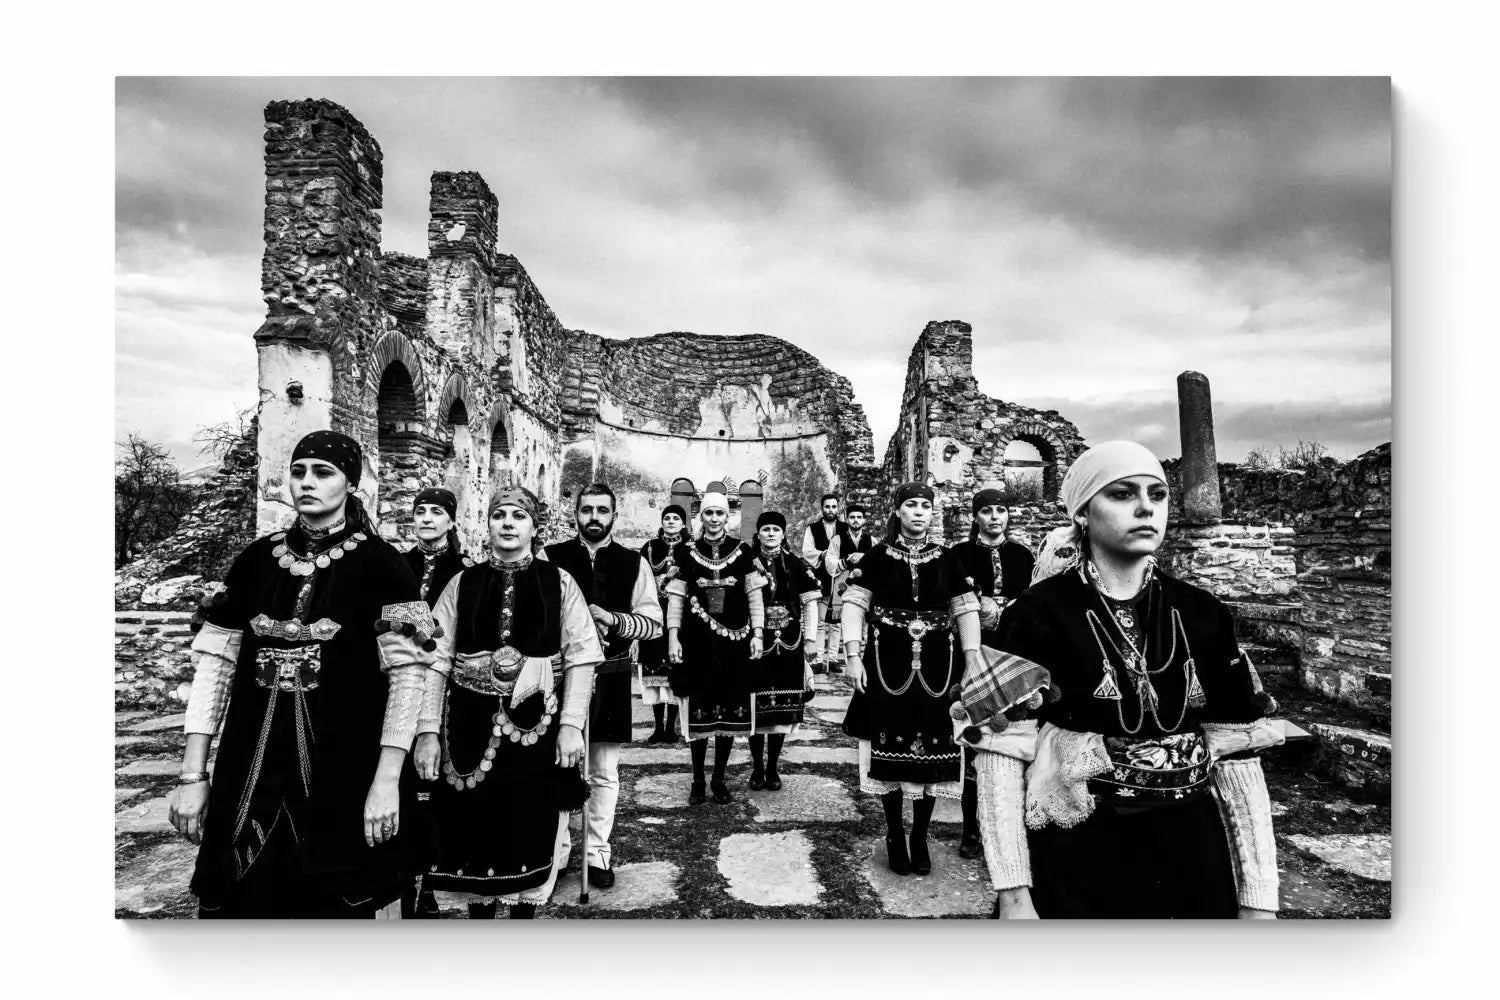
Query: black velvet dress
1000	572
1155	845
652	653
284	832
715	669
777	677
903	711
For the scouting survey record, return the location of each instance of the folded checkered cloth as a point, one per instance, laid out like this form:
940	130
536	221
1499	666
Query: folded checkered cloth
1003	681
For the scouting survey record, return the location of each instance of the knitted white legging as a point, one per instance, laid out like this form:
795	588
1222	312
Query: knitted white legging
1002	824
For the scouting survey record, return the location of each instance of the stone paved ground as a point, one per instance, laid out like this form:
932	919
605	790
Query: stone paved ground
814	849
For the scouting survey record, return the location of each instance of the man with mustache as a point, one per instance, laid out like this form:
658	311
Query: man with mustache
816	539
621	593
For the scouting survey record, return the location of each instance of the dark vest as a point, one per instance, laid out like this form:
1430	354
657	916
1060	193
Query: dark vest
608	582
537	628
445	567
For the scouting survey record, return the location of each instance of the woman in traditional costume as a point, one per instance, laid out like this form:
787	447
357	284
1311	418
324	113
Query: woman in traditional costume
303	817
656	681
503	725
436	558
924	627
997	568
714	620
782	679
1141	798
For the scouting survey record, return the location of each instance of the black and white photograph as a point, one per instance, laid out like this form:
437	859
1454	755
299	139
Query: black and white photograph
753	497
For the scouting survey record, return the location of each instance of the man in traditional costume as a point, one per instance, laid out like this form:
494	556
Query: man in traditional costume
622	599
656	679
924	628
320	638
714	619
1141	798
782	679
998	569
816	539
508	736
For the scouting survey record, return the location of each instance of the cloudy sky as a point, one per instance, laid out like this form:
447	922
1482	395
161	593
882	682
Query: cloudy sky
1100	235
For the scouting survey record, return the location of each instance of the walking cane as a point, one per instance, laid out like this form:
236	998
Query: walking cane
583	869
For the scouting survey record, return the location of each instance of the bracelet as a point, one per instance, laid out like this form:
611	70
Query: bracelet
192	777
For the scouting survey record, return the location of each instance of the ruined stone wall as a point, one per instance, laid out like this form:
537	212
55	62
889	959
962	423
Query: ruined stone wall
1337	530
954	436
153	664
640	413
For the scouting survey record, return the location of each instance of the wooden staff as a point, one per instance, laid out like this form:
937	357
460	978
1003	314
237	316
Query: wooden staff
583	870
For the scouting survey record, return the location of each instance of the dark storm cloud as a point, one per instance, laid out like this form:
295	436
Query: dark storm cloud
1214	166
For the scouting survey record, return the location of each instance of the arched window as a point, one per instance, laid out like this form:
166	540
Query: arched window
500	467
1031	468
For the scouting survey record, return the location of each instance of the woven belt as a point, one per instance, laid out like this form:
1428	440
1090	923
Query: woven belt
1165	769
289	669
916	623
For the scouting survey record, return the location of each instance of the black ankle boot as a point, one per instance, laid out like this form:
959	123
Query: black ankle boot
696	796
970	846
921	861
773	780
895	849
721	792
757	779
523	911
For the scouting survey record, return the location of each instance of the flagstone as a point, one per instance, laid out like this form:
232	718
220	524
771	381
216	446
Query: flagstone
148	817
769	869
160	724
1365	854
955	887
804	798
156	878
637	887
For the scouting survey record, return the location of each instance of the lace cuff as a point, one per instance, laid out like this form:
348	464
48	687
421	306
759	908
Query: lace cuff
1001	823
1240	786
402	702
1057	788
397	651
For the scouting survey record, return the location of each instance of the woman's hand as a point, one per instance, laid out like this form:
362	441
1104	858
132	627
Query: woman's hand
1015	904
425	756
186	809
1250	913
854	670
569	745
382	811
674	648
756	646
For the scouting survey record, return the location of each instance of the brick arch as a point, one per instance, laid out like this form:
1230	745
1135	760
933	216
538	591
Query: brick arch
391	347
1053	449
455	390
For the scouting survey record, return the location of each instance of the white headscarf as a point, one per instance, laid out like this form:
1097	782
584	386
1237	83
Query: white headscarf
718	500
1095	469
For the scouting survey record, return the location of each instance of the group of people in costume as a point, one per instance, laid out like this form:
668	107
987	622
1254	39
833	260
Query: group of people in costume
444	716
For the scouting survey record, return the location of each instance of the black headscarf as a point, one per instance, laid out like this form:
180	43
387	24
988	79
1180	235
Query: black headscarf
339	450
439	496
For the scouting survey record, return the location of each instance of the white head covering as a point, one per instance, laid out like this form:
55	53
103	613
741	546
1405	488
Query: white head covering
1095	469
718	500
1101	465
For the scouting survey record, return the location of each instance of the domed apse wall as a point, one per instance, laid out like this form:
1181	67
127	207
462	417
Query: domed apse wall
640	413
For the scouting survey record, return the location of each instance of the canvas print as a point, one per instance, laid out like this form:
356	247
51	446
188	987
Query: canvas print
753	498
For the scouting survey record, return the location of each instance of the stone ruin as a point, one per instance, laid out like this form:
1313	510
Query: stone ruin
454	370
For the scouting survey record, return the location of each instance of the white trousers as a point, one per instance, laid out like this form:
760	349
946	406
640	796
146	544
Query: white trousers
604	792
830	649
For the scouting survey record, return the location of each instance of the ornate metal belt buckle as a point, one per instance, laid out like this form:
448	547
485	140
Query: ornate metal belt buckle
917	628
778	617
505	664
289	669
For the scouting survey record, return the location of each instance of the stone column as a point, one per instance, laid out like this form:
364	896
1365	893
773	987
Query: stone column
1201	502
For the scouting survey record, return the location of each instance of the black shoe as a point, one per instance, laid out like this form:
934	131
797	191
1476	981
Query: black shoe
601	878
695	794
523	911
757	780
671	737
721	793
657	737
970	847
921	862
895	849
773	781
483	911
